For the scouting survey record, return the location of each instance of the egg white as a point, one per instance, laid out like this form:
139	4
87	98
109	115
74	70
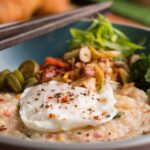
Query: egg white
42	107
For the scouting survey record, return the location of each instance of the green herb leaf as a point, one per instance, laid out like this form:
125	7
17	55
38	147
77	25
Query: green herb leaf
81	37
101	34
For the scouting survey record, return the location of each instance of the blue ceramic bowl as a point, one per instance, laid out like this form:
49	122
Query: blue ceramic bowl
55	44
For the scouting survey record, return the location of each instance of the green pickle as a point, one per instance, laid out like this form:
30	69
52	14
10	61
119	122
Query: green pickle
29	68
19	76
31	82
13	83
3	76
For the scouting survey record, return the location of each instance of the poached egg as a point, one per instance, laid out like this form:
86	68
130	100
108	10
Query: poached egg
55	106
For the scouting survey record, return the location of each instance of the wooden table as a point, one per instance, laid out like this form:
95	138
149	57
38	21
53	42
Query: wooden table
119	19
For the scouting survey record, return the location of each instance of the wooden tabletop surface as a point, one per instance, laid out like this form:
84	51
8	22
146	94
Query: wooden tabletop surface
119	19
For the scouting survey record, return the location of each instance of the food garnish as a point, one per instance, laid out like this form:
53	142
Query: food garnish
140	72
102	35
97	52
13	83
30	82
21	78
3	76
29	68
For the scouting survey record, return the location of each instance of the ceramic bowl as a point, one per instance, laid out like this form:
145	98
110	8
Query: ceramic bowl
55	44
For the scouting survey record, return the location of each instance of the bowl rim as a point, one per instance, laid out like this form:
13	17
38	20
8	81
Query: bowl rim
129	143
109	145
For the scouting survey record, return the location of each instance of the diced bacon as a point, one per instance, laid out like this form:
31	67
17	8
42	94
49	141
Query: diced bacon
89	71
48	74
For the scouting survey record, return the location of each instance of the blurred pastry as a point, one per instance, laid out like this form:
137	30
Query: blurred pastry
54	6
14	10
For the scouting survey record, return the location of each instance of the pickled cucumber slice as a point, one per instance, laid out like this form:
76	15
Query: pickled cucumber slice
13	83
19	76
31	82
29	68
3	75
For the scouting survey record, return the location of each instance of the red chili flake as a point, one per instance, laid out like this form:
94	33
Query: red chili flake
103	100
56	62
50	97
96	117
1	100
64	99
7	113
51	116
104	113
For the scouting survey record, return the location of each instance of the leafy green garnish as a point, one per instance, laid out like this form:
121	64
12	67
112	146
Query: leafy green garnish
101	34
140	72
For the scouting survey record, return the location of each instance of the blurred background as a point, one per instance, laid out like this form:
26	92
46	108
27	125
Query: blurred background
135	12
